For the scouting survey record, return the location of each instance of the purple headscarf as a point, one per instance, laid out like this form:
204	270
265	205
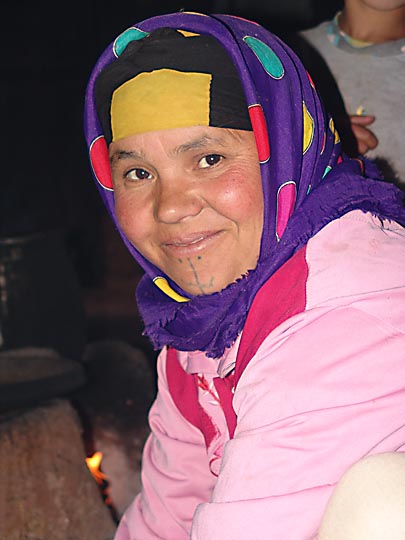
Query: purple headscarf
306	181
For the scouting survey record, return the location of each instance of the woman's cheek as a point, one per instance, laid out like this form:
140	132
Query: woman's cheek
238	195
130	217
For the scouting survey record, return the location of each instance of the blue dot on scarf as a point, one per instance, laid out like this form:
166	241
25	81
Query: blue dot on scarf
131	34
267	57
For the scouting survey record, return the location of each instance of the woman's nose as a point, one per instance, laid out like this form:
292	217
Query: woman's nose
175	200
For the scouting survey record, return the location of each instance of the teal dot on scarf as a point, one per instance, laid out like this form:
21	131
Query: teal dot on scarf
267	57
328	168
132	34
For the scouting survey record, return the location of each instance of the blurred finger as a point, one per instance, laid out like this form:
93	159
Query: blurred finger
362	120
366	140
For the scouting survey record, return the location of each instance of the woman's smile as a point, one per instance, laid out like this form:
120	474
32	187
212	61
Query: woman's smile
191	243
191	195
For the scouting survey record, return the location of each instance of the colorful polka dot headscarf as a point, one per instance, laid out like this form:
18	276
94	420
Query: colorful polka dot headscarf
306	181
170	79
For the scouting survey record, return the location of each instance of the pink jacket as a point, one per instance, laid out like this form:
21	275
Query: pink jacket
324	388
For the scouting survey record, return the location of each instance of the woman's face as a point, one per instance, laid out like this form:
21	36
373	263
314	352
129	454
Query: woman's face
190	200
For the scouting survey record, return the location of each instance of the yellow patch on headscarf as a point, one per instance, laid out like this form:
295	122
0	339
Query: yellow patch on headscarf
195	13
162	284
161	99
188	34
308	134
334	130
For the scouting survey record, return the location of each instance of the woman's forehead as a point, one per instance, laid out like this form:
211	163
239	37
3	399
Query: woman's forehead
179	141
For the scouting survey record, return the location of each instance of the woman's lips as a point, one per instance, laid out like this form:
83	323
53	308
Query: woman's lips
191	243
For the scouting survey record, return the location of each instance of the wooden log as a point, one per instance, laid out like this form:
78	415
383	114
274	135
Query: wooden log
46	489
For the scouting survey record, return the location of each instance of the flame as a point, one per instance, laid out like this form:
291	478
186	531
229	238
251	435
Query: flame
93	463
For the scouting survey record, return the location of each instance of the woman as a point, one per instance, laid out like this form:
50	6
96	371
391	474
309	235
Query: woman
273	279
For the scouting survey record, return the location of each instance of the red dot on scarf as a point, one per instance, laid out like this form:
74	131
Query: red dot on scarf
100	162
260	130
311	82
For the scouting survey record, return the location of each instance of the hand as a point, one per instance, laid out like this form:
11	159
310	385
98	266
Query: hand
366	140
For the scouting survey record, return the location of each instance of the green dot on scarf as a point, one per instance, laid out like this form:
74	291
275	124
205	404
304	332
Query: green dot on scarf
268	58
328	168
132	34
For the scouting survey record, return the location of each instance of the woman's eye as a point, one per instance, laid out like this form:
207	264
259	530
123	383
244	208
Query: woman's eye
209	161
138	174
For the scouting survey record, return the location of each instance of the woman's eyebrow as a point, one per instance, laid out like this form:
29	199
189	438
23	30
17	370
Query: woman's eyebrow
125	154
201	142
194	144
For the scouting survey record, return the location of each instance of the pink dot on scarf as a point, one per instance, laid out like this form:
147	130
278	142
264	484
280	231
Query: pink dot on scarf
285	205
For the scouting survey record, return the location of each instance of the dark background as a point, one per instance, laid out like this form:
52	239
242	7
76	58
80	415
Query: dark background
47	54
